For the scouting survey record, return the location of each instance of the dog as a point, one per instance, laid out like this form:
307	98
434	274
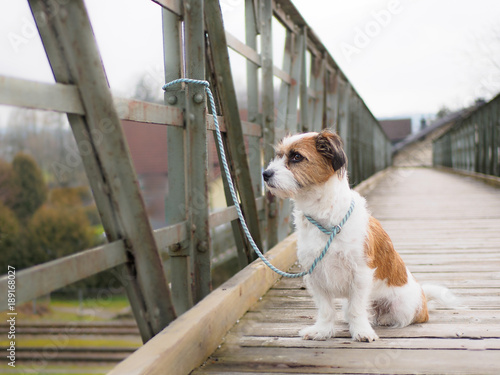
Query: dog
361	264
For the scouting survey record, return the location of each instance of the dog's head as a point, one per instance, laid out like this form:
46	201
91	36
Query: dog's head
305	160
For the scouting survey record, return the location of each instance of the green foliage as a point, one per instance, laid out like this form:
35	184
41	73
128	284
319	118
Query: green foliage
6	185
76	197
30	190
34	230
62	228
55	232
70	196
9	237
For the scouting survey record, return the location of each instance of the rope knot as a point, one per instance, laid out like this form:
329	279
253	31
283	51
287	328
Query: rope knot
333	230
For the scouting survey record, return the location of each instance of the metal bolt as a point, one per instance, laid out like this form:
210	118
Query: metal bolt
198	98
172	100
269	118
202	246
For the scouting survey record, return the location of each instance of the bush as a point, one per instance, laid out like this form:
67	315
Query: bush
30	191
70	196
9	238
6	183
55	232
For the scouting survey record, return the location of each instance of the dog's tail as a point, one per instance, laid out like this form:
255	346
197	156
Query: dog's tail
440	294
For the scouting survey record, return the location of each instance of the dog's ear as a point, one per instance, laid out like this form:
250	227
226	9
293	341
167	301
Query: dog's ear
329	144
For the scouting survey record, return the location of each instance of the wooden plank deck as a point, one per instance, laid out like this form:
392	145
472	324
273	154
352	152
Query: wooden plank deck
446	227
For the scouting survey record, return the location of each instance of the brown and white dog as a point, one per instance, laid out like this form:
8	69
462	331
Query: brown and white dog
361	263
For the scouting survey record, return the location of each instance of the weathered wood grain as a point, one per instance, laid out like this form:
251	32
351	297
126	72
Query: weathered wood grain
187	341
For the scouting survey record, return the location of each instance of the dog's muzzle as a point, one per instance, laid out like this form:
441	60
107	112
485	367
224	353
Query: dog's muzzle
268	174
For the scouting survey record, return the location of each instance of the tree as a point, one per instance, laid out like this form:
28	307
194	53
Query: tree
48	138
30	189
146	88
443	111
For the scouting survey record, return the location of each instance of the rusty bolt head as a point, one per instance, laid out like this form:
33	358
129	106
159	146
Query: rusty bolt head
172	100
202	247
198	98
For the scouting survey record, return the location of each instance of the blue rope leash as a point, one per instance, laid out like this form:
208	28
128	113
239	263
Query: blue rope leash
332	233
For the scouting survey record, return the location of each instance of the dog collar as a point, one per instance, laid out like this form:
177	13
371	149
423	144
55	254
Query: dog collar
337	228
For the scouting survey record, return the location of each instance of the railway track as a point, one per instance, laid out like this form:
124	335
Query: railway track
74	342
72	354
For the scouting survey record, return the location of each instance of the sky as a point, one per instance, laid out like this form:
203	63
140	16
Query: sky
404	57
412	56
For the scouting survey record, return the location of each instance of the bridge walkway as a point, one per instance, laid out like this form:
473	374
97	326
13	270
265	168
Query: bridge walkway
446	227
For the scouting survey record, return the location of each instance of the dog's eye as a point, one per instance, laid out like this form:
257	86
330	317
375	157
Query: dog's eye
296	157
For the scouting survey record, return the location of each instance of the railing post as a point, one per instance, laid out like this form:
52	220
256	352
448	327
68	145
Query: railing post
175	202
297	61
332	100
284	89
316	108
266	15
234	134
304	99
344	115
197	156
254	157
496	138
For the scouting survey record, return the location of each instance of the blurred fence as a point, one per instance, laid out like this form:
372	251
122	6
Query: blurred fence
307	92
473	144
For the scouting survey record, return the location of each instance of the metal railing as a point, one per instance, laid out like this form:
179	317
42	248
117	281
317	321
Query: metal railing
473	144
195	46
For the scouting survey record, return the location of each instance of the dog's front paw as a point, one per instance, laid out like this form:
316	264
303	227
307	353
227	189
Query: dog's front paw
317	332
367	335
361	330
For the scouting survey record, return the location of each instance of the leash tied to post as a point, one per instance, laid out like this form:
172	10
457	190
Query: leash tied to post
331	232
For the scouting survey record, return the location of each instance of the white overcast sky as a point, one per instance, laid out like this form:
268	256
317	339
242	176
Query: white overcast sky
403	57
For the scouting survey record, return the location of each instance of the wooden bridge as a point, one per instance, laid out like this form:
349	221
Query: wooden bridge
444	225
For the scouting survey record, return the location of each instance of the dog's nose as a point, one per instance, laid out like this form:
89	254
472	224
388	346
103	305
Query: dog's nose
268	174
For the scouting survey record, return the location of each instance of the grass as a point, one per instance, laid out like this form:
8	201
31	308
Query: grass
113	302
74	341
63	310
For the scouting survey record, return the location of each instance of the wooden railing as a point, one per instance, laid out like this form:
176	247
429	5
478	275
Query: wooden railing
309	100
473	144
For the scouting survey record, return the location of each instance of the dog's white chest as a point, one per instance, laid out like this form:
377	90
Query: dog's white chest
335	272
